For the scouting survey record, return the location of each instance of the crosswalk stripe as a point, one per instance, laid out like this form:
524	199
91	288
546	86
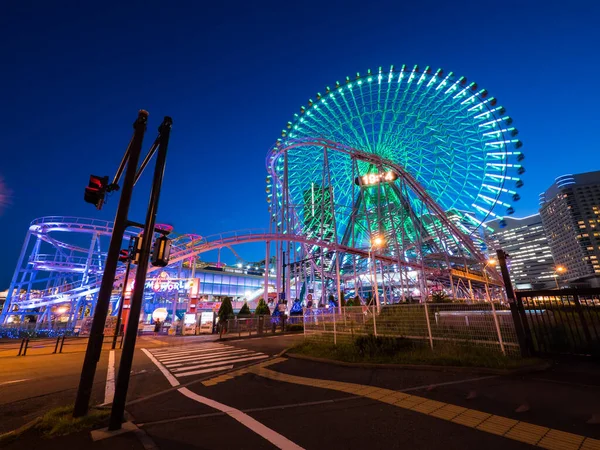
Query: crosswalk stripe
191	359
200	356
184	347
218	358
221	361
198	372
211	364
189	350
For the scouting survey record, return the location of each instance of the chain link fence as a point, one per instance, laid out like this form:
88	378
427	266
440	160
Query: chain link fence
480	324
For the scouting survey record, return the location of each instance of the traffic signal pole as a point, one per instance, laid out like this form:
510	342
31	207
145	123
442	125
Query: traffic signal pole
120	313
94	347
122	383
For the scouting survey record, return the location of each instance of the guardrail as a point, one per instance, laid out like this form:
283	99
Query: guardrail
58	345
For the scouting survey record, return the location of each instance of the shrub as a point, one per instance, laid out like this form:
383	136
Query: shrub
226	310
244	310
295	327
380	345
262	309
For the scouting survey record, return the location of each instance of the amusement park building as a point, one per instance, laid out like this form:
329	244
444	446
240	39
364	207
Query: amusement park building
570	211
60	269
524	239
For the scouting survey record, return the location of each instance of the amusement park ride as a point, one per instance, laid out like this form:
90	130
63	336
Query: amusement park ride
385	179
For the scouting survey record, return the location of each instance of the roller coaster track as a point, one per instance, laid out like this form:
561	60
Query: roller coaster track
184	249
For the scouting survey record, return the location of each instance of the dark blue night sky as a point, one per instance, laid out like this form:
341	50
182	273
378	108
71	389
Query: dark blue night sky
231	74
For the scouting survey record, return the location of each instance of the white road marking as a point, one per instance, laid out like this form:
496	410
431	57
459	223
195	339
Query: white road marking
218	358
198	353
270	435
170	378
13	381
221	361
177	361
109	390
198	372
164	351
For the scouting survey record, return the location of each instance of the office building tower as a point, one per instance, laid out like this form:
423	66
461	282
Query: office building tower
570	211
531	263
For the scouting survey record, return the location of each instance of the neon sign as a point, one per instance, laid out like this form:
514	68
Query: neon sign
165	283
372	179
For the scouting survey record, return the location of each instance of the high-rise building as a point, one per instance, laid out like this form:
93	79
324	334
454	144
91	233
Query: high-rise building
531	262
570	211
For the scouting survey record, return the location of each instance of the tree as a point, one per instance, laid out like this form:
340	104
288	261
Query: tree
225	312
332	300
244	310
296	308
262	309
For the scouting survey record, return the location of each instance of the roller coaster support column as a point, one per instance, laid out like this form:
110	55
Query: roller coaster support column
92	354
266	293
118	406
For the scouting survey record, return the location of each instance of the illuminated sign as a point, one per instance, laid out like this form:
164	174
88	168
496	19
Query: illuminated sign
164	283
372	179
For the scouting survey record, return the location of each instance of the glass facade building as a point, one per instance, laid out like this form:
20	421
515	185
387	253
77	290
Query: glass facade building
531	261
570	211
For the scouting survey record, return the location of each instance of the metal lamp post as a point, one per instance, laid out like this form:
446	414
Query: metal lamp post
376	242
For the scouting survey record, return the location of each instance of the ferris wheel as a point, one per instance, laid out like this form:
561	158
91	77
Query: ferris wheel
450	135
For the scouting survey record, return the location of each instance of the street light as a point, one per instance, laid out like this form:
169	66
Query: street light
376	242
489	262
558	271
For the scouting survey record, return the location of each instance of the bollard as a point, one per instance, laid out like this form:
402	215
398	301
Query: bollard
21	348
56	345
26	345
62	342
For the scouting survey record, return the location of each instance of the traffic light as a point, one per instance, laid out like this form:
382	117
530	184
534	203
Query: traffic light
123	255
96	190
136	248
161	251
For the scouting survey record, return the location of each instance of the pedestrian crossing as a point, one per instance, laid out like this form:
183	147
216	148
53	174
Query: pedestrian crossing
203	358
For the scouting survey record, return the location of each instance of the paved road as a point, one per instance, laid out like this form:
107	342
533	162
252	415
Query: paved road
201	393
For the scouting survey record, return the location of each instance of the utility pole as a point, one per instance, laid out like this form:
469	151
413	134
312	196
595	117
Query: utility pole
94	347
122	383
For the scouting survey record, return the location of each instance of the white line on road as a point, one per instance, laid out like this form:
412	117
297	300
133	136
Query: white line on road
164	371
222	361
174	351
176	361
13	381
197	352
109	390
198	372
270	435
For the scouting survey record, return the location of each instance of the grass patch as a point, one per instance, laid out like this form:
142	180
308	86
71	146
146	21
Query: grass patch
60	422
368	349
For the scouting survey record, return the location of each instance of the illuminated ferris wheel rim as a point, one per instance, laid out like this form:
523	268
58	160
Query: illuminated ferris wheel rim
472	173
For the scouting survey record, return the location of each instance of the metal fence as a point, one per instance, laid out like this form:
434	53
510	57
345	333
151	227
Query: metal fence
257	325
565	321
481	324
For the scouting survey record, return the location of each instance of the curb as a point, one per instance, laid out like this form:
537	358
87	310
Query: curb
483	370
257	336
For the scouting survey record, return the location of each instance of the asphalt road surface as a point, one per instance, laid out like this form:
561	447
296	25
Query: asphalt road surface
203	393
